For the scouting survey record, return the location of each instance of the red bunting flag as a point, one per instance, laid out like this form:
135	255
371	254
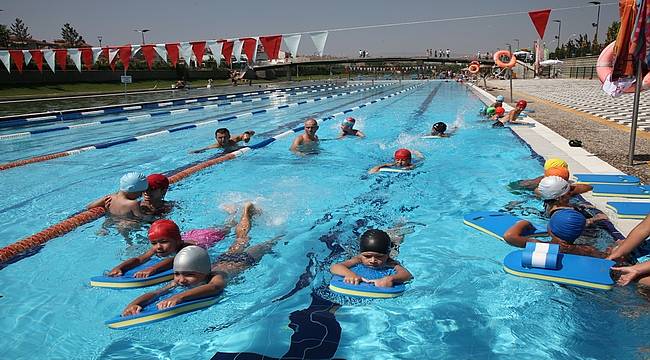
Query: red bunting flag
226	50
540	19
172	53
17	57
37	57
125	56
87	58
148	53
250	47
271	45
198	48
61	57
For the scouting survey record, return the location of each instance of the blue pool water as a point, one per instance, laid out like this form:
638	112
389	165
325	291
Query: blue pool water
461	304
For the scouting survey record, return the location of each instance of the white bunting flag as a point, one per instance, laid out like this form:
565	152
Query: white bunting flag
319	39
186	52
96	52
135	49
162	51
216	48
291	43
28	56
4	56
48	55
75	55
237	49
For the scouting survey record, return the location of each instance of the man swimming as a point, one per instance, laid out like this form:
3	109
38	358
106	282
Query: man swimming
225	141
307	141
347	129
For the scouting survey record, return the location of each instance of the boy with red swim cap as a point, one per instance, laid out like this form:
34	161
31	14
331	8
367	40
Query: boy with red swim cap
402	161
347	128
514	113
154	198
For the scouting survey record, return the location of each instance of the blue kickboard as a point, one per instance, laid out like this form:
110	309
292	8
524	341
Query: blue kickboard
584	271
607	179
630	210
497	223
366	290
127	281
630	191
150	313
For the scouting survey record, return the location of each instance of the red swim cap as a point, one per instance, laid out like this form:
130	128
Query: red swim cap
164	229
522	104
350	119
402	154
157	181
500	110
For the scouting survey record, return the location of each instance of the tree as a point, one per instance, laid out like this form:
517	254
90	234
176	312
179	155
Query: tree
71	36
612	32
4	36
20	31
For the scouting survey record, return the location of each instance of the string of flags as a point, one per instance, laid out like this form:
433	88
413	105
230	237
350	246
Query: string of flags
168	52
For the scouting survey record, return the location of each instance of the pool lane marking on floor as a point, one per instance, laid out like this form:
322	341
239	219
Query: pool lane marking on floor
12	251
76	114
89	147
159	113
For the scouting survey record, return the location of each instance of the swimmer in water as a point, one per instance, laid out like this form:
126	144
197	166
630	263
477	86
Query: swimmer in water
153	201
124	204
374	249
439	128
514	113
557	167
226	142
402	161
307	141
498	102
347	129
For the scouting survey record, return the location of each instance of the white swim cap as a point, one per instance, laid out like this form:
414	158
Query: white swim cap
192	259
133	182
552	187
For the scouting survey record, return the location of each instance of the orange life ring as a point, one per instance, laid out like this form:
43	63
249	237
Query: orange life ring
474	68
475	62
511	62
605	66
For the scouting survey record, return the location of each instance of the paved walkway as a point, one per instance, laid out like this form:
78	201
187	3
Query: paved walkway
587	96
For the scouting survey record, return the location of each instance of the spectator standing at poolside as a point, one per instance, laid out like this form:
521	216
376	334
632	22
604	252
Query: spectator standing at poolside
307	141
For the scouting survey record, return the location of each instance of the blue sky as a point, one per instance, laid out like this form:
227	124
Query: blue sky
187	20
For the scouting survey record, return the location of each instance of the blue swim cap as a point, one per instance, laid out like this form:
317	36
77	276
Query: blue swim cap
500	98
567	224
133	182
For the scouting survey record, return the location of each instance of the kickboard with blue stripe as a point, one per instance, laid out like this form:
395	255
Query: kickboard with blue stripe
497	223
630	210
128	281
620	179
150	313
584	271
366	290
628	191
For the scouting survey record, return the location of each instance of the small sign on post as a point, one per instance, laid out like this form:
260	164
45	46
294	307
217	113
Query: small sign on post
126	79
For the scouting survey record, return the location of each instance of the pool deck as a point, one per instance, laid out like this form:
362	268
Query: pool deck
549	144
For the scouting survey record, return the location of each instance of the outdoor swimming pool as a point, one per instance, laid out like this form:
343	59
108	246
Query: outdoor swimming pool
461	303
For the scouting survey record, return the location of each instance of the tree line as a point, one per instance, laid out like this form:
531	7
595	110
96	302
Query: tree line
17	35
582	46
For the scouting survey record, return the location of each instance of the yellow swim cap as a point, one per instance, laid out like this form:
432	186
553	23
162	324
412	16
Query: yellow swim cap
551	163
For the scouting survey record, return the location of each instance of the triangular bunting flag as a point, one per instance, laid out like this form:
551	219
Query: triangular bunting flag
250	48
5	58
291	42
215	46
96	52
112	57
87	58
48	55
319	39
37	56
17	57
540	19
148	53
198	48
236	50
75	55
61	56
172	53
162	51
125	56
226	50
135	49
271	45
28	56
186	52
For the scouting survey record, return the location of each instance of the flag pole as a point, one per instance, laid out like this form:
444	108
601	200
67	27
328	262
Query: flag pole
635	111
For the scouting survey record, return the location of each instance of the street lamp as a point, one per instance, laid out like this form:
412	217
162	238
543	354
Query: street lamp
142	31
517	40
597	3
559	29
99	37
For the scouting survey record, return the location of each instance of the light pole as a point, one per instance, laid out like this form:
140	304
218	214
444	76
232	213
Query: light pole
142	31
559	30
517	40
99	37
510	71
597	3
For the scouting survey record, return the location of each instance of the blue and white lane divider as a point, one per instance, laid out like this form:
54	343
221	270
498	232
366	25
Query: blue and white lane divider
78	114
298	129
105	145
169	112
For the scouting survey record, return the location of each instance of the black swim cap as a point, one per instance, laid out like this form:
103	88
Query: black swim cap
375	240
440	127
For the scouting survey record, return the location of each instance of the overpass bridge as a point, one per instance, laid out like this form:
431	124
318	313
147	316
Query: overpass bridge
419	61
